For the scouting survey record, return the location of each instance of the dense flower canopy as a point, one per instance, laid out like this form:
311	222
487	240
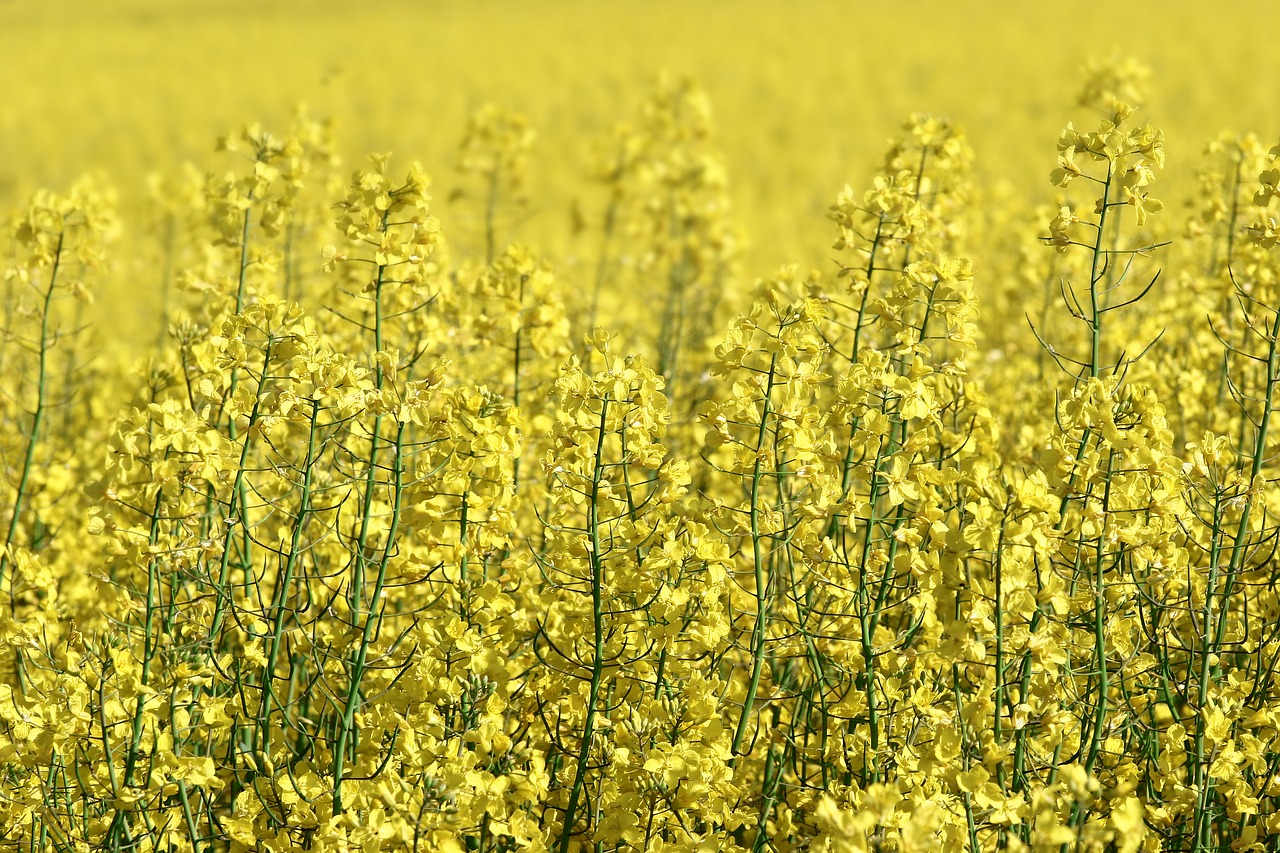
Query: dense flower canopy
391	542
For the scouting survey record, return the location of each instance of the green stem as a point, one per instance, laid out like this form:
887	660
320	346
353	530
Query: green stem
371	621
28	459
597	617
762	604
1095	276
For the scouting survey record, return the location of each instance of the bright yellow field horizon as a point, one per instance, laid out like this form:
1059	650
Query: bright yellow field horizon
804	96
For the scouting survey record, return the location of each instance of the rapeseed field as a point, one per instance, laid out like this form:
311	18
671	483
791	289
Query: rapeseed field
664	427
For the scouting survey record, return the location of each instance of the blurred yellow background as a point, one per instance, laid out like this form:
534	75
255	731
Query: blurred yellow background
804	94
